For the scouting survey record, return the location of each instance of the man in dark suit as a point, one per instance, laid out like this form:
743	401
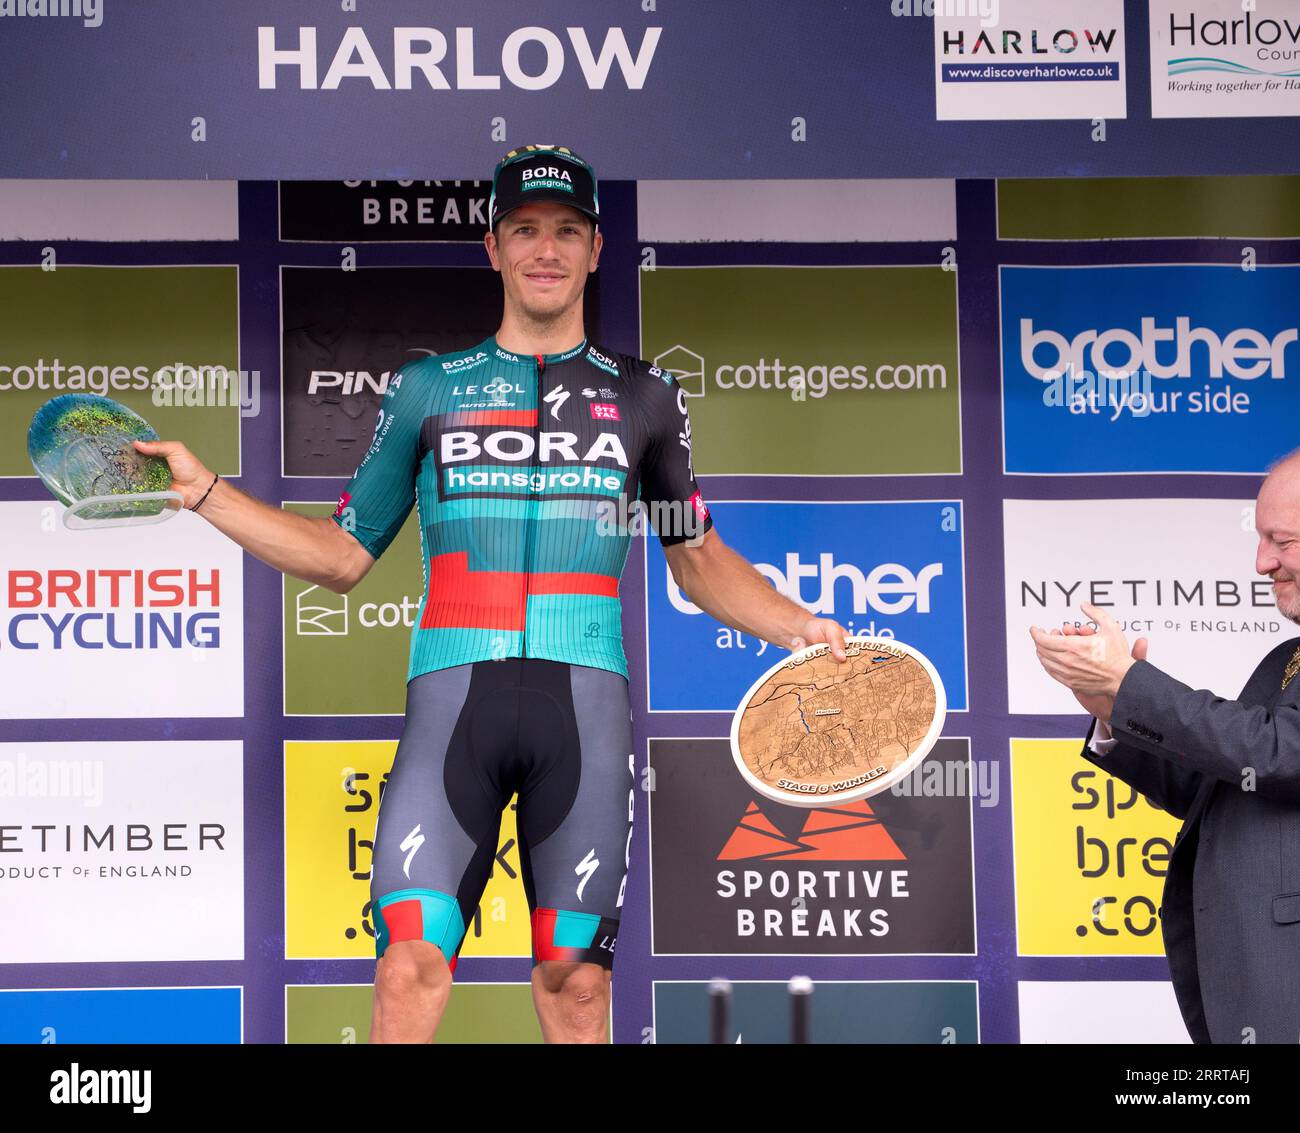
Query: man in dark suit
1231	770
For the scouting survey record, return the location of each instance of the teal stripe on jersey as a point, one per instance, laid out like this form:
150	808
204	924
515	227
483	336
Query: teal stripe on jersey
582	629
559	545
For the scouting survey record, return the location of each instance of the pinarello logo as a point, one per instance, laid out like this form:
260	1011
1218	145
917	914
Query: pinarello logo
605	412
701	508
344	500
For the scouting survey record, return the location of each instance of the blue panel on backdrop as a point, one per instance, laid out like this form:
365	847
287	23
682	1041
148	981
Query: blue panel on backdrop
1220	344
894	569
125	1015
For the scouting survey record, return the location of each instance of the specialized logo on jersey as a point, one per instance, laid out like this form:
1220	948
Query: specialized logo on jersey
555	399
586	869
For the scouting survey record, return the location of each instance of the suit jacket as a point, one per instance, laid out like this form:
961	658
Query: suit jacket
1231	908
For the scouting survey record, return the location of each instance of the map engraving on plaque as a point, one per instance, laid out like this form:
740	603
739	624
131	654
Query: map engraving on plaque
814	728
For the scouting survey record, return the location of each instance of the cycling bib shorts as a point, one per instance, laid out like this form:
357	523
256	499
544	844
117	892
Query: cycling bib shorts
559	736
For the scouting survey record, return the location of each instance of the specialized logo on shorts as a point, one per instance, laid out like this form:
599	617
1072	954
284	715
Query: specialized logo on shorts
344	500
412	842
701	508
586	869
603	412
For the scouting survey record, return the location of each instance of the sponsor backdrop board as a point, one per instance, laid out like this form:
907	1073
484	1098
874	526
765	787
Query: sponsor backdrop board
208	741
784	366
868	89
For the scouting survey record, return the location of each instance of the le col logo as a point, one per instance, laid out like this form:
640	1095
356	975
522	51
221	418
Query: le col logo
546	171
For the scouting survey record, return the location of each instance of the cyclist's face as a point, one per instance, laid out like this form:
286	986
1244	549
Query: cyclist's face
544	253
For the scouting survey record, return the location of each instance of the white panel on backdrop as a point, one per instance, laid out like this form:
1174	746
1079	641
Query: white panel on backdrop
119	210
1179	572
1100	1011
1029	59
121	851
1225	58
824	212
123	623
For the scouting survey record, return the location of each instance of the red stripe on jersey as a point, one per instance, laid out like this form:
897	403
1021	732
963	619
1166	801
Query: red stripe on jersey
492	417
460	598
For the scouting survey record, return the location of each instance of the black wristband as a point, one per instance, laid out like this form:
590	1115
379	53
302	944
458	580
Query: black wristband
215	477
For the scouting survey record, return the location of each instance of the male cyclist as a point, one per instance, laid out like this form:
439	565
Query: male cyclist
524	455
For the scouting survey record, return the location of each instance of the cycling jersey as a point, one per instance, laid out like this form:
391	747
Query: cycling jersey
524	469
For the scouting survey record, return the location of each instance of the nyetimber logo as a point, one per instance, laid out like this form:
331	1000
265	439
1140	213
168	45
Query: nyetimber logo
428	59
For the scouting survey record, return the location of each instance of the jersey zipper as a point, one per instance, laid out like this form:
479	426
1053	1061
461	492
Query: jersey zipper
531	521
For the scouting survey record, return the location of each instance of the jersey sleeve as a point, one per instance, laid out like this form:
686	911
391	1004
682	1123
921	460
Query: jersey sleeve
379	497
668	486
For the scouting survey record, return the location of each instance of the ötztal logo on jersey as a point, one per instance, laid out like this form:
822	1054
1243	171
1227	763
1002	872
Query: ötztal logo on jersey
78	609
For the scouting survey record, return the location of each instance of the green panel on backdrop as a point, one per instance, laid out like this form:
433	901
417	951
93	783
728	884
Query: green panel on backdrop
1099	208
127	317
722	328
476	1013
334	663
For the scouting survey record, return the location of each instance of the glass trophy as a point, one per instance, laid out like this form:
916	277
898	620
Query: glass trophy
80	446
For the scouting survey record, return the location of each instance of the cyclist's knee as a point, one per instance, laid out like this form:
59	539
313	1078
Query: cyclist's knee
579	983
409	967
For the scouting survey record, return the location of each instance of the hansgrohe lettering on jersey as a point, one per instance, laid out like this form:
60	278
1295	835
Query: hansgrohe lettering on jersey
485	474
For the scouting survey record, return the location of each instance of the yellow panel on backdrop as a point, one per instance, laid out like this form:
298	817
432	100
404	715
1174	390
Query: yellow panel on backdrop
1090	856
331	796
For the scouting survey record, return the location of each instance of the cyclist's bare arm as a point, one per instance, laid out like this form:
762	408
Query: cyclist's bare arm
313	548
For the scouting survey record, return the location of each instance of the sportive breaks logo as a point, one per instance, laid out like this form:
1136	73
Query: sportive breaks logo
846	833
729	875
1151	368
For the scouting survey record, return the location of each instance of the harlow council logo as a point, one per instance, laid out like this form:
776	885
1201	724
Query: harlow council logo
1267	39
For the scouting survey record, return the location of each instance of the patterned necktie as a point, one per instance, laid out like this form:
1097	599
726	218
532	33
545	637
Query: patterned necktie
1292	667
